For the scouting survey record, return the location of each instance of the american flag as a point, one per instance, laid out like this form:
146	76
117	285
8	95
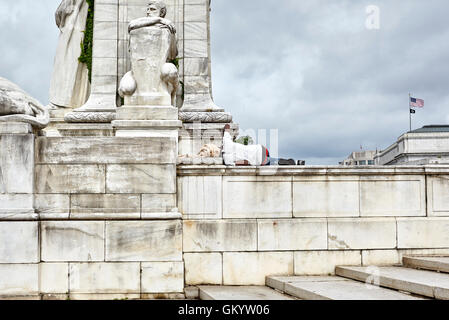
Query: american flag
417	103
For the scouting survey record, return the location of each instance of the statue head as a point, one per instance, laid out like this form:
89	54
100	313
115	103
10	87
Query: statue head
156	8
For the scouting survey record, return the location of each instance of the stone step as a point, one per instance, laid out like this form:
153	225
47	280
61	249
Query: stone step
333	288
425	283
240	293
440	264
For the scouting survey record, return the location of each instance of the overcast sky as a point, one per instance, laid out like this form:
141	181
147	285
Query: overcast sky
309	68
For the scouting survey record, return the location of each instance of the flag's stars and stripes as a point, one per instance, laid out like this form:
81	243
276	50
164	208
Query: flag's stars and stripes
416	103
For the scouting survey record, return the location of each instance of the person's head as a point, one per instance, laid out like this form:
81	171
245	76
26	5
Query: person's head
156	8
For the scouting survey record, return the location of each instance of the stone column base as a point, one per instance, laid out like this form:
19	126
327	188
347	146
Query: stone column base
89	117
147	121
208	117
146	128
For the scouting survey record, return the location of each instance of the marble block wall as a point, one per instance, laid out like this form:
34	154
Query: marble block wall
104	218
105	222
243	224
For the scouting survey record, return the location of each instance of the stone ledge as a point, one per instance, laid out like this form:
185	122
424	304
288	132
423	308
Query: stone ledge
15	128
209	161
222	170
85	129
212	117
142	124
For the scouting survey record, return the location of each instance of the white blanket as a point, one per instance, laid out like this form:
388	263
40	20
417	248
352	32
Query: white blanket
233	152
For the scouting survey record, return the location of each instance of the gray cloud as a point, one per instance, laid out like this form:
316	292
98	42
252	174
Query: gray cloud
29	38
312	69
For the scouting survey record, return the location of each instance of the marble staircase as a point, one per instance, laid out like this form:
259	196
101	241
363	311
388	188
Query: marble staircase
240	293
418	278
406	282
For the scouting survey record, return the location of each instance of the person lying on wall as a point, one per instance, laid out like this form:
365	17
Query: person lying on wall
236	154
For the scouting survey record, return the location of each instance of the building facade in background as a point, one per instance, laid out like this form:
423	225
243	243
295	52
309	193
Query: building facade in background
427	145
360	158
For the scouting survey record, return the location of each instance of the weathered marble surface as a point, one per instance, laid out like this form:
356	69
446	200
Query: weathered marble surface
17	207
19	242
208	161
112	206
15	128
200	197
246	197
143	241
162	277
147	113
76	150
105	277
324	262
203	268
431	232
16	172
58	179
54	278
72	241
21	279
236	270
16	163
219	235
292	234
83	130
52	206
438	197
141	178
17	106
361	233
158	203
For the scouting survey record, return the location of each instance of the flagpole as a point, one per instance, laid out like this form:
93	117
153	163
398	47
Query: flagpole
410	110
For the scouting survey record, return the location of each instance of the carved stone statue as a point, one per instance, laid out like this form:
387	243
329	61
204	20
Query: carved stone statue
70	86
17	106
153	80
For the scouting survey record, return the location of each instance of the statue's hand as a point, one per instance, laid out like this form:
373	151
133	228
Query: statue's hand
168	24
64	10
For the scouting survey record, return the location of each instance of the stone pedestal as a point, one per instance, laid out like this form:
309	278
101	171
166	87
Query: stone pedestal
148	111
147	121
85	130
16	171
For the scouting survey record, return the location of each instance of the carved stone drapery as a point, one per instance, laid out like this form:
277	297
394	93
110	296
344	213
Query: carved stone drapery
17	106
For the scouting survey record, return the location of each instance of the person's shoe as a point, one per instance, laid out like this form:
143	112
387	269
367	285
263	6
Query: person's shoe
286	162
